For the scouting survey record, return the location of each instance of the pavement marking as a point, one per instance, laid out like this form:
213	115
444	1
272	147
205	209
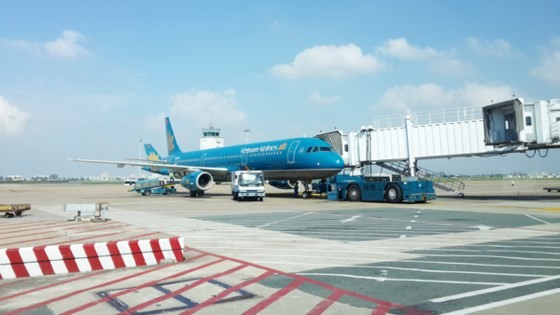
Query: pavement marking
495	289
350	219
493	256
504	302
76	292
381	279
405	260
182	289
382	306
409	227
283	220
482	227
532	217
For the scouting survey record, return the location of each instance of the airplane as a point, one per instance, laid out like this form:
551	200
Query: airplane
283	162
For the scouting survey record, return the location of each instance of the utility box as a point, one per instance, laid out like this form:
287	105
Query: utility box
88	211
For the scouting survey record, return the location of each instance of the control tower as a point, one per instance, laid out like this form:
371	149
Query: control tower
211	139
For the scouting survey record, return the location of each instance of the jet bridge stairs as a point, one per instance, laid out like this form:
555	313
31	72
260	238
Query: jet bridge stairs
439	179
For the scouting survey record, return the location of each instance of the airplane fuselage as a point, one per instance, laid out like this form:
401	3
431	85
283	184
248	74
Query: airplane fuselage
290	159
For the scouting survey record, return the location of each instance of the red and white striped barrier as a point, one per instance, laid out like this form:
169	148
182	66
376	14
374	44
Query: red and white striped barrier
62	259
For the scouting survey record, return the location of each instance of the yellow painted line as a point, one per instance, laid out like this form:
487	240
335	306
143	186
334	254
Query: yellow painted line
551	209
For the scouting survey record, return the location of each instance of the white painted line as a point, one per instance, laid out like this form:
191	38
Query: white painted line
350	219
494	256
532	217
504	302
394	279
403	236
409	227
482	227
416	216
265	262
412	221
279	221
495	289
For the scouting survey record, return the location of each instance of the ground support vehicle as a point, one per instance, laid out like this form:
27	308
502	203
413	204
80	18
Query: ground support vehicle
384	188
155	186
13	210
550	189
247	185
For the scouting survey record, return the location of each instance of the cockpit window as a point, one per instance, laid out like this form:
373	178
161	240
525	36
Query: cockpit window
319	149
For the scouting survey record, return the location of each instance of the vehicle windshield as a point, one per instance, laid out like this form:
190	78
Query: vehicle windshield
251	180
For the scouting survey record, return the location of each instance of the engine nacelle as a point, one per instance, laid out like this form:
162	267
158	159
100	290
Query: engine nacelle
197	181
282	184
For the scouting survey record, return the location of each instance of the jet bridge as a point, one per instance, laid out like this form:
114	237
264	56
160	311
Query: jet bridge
398	142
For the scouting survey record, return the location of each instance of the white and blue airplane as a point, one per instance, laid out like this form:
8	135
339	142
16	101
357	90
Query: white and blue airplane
283	162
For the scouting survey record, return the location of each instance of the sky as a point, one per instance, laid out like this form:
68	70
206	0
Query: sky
95	79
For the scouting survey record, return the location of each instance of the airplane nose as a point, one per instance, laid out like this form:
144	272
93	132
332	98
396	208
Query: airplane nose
335	161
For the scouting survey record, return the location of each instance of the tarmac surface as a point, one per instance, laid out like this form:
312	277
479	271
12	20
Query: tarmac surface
495	251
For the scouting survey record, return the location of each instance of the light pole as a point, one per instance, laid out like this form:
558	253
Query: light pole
140	143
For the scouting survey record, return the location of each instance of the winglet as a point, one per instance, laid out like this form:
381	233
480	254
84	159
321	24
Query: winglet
172	146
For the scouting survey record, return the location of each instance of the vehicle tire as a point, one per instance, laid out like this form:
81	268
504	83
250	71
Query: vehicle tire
354	193
234	195
393	193
201	193
192	193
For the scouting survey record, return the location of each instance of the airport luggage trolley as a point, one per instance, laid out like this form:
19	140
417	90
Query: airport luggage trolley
13	210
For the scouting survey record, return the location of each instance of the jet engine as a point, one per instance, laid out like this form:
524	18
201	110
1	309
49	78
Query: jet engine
197	181
282	184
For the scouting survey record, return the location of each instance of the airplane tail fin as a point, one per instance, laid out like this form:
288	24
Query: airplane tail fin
172	146
151	154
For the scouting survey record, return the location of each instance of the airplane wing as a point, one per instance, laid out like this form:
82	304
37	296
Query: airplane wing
171	167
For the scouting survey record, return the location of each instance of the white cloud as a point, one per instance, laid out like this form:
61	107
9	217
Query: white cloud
497	48
316	98
206	107
155	122
400	48
12	119
330	62
549	67
67	46
430	96
442	63
447	66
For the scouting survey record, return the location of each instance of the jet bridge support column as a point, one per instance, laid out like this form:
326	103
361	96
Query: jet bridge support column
409	124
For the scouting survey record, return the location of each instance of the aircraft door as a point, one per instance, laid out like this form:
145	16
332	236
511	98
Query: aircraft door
244	160
292	152
202	158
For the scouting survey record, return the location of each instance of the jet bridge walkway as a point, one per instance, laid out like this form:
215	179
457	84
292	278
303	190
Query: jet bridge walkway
398	143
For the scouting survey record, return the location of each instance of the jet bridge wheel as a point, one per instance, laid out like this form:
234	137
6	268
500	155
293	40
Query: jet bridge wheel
393	193
354	193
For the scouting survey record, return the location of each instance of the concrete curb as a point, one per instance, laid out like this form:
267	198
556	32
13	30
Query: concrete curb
62	259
